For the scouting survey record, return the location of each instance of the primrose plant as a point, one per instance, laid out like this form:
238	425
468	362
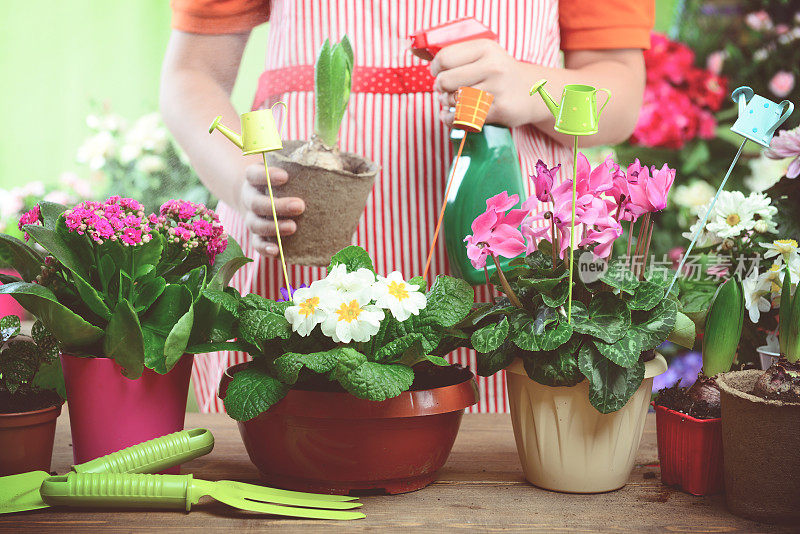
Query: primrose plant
617	319
353	330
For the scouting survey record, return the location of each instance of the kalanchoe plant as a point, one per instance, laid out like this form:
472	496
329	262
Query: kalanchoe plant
617	320
116	283
353	331
29	365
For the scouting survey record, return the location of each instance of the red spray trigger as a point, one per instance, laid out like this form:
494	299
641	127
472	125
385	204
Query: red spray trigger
426	43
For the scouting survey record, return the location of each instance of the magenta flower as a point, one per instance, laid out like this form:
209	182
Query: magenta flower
117	219
491	236
786	145
192	226
34	216
543	180
648	188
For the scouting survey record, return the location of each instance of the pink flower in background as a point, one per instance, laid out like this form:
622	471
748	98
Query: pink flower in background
667	59
715	61
758	21
543	180
786	145
782	83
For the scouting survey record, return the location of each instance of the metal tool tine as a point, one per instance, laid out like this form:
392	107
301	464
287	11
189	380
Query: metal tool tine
275	492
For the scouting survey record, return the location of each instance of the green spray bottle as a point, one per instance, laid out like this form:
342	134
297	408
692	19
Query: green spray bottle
489	163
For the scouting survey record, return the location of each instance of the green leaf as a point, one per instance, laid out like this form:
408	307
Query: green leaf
216	346
619	276
449	301
58	248
496	360
68	327
257	326
332	84
353	258
91	297
377	381
398	346
24	259
438	360
252	392
124	342
178	338
654	326
49	376
558	296
491	336
624	352
223	298
646	296
194	281
146	292
9	327
557	367
146	256
606	318
51	212
158	322
610	386
784	313
684	332
226	264
106	271
49	347
723	328
288	366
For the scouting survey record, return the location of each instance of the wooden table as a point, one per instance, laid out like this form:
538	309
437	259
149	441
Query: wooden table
480	489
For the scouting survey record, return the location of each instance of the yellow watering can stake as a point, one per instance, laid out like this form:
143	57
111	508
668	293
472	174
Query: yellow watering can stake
576	115
260	135
757	121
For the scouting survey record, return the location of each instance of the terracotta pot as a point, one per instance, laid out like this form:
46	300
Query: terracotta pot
108	412
26	440
565	444
334	201
335	443
689	452
760	440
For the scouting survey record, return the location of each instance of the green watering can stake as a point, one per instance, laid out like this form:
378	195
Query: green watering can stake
576	115
758	119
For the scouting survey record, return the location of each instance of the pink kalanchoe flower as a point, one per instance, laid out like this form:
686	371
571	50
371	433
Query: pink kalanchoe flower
34	216
543	180
117	219
787	145
193	227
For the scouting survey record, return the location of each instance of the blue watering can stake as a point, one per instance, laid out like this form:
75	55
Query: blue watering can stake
758	119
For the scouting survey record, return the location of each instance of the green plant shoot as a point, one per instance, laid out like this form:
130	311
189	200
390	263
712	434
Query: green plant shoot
333	76
723	328
789	326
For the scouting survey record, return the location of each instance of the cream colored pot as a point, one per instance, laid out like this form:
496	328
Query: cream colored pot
566	445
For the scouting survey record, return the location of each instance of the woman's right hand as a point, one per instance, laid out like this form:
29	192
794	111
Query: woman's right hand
257	210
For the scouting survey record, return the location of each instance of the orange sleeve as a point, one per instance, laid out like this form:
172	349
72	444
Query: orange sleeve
605	24
218	16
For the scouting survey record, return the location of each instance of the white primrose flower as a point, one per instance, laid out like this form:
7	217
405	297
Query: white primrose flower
356	285
398	296
783	250
307	310
352	320
755	292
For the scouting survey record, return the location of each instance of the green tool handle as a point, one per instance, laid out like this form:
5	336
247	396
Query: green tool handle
118	490
153	456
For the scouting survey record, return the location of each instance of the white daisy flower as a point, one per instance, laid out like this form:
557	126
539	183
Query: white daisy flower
763	212
398	296
755	292
351	320
307	312
356	285
705	239
732	216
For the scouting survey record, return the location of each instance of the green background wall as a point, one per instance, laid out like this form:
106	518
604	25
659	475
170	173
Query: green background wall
59	56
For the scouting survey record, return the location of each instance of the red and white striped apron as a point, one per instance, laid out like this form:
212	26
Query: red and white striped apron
393	123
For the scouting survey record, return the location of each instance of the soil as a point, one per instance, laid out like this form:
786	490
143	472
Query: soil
317	154
701	400
27	401
780	382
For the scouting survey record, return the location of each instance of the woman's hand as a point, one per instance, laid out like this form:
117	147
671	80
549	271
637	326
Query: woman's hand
486	65
257	210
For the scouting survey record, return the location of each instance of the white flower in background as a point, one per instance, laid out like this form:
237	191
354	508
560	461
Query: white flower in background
108	122
97	149
758	20
731	216
11	203
760	205
783	250
755	293
59	197
151	164
81	187
307	310
352	320
698	193
398	296
356	285
32	189
765	172
705	239
146	135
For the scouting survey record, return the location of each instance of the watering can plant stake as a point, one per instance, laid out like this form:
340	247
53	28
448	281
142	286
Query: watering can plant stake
758	119
259	135
576	115
472	107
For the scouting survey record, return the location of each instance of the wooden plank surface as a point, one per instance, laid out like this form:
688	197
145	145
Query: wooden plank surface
481	488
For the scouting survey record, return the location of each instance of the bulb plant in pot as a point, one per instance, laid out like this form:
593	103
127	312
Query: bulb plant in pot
334	184
31	395
578	383
122	292
760	421
347	390
688	421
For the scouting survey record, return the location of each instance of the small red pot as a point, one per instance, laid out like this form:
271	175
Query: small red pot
325	442
26	440
690	452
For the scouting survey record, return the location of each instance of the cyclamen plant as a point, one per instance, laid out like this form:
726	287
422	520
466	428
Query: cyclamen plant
114	282
617	320
353	330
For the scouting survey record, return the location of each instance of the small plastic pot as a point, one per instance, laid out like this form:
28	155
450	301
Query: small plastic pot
26	440
326	442
690	452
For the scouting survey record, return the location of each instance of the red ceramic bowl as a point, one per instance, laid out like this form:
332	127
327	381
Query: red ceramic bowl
690	452
325	442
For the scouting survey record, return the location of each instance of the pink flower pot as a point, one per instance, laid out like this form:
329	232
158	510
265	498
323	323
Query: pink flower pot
8	304
108	412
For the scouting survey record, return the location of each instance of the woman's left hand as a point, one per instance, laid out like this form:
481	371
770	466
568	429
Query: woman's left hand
485	65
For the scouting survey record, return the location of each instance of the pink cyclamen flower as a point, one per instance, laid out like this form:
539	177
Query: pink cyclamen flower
787	145
492	237
543	180
648	188
782	83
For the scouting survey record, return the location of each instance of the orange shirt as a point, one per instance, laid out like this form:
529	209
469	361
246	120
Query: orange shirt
584	24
